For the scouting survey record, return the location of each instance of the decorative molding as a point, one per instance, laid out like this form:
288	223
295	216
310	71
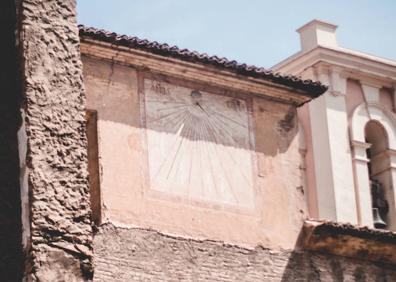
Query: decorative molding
358	66
359	151
383	161
371	82
365	112
362	145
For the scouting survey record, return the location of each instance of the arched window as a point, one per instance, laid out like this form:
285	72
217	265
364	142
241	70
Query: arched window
379	173
373	127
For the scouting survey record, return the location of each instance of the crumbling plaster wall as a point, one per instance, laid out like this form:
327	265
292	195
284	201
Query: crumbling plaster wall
59	246
123	254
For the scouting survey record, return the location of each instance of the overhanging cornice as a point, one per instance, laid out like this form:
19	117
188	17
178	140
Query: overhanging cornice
353	65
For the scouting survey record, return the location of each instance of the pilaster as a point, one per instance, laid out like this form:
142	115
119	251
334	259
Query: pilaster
332	154
362	183
390	193
394	97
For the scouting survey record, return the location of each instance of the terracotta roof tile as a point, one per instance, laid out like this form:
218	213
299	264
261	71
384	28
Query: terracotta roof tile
353	230
344	239
314	89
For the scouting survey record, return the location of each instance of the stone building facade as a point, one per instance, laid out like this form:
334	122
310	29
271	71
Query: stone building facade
129	160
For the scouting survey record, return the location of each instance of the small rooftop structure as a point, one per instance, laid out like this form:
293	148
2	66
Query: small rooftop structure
317	33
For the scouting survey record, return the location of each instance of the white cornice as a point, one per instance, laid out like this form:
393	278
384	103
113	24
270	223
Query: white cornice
317	22
354	64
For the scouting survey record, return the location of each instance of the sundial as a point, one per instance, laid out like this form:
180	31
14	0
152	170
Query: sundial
198	144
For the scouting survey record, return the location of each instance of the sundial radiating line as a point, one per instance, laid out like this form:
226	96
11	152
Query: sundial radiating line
230	187
165	116
231	156
177	155
230	119
172	108
206	136
218	128
240	171
177	123
177	137
191	162
164	102
221	164
224	125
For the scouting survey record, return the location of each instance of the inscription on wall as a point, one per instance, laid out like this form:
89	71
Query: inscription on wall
198	144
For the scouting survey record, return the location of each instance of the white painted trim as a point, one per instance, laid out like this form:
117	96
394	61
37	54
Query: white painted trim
382	72
363	113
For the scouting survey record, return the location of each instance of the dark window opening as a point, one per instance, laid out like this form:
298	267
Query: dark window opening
93	165
378	173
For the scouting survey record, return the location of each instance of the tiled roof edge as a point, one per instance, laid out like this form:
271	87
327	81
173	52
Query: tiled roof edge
337	228
312	88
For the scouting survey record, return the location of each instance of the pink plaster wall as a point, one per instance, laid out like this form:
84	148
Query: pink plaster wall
305	121
386	99
354	96
279	207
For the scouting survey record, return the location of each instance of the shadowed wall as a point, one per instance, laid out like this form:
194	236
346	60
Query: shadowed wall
10	219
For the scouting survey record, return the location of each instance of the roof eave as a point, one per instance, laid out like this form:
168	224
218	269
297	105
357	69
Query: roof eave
311	88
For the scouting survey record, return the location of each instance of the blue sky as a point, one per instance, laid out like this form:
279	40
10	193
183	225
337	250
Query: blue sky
258	32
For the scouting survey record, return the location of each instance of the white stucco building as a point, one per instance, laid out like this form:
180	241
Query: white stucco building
350	132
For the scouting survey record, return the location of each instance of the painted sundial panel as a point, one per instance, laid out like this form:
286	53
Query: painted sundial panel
198	144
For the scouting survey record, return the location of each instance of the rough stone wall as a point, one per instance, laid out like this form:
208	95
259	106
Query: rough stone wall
59	246
142	255
10	214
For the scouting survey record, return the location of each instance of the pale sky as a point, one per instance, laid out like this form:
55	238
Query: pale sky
258	32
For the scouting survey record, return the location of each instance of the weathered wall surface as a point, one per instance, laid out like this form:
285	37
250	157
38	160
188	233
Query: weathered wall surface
279	206
10	205
59	245
143	255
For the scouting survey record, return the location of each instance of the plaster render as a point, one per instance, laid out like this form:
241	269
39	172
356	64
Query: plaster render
309	164
275	217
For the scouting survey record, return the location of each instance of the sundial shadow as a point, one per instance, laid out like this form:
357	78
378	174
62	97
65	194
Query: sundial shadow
200	117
